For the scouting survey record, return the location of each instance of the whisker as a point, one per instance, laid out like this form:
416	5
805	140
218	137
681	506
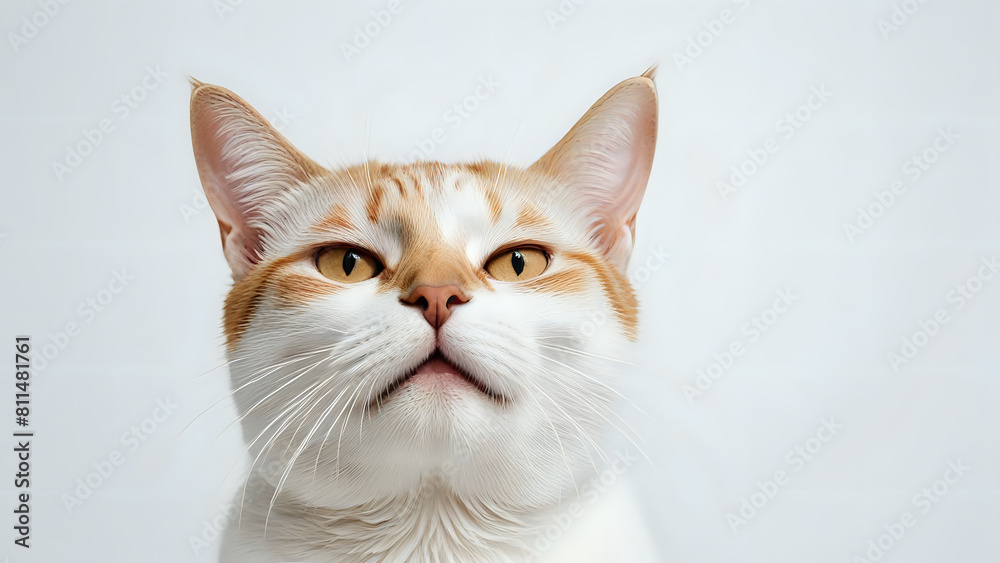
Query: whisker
274	392
573	421
287	415
220	366
593	380
608	387
355	395
555	434
234	391
301	447
628	435
319	451
579	352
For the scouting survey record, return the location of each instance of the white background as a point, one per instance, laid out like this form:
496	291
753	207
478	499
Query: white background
131	204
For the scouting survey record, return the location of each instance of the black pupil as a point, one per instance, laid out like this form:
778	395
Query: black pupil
350	258
517	262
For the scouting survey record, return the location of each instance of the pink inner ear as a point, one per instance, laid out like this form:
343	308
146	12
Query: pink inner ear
209	127
243	163
211	141
606	159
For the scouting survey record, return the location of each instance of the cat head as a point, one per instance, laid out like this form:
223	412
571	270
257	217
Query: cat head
392	322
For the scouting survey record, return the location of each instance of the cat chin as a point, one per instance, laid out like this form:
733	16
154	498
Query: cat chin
385	478
466	448
435	427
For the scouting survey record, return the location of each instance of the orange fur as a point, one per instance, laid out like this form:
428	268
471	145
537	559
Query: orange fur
616	287
425	260
241	303
531	218
336	220
374	205
566	282
295	288
428	263
496	207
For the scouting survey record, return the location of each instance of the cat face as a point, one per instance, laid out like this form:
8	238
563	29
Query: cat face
393	324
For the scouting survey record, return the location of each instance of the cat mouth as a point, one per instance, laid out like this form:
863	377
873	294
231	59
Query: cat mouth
439	373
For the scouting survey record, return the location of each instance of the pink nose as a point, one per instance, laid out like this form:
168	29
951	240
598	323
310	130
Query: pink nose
436	301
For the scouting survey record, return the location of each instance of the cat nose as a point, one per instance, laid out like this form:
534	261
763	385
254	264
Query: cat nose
436	301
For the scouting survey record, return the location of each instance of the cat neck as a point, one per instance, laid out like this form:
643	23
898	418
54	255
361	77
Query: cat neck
428	523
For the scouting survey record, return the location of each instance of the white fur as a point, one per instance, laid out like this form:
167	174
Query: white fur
431	474
440	478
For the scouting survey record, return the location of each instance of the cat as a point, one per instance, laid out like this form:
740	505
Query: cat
406	341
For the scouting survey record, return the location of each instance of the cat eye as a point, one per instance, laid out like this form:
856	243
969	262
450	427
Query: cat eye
347	265
517	264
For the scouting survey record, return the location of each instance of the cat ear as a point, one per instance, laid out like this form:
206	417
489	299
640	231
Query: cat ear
243	163
605	160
